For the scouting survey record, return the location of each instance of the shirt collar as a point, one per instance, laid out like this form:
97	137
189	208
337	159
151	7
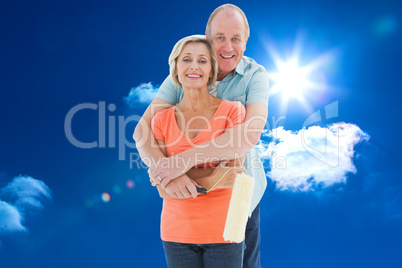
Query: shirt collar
239	69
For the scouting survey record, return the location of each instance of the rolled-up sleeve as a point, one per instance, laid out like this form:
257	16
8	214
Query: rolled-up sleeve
258	88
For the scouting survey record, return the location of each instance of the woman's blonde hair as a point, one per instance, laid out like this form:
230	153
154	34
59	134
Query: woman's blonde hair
178	48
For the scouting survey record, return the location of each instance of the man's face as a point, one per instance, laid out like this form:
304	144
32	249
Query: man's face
228	36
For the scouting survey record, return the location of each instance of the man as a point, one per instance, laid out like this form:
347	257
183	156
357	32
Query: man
239	78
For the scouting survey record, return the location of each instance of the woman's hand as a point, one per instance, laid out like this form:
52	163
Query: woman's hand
181	188
168	169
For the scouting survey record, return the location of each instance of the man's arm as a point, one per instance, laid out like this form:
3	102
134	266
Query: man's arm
226	172
147	146
236	142
150	152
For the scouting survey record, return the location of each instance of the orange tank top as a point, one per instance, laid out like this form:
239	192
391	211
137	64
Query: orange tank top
198	220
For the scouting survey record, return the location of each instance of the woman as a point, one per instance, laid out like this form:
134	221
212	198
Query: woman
192	229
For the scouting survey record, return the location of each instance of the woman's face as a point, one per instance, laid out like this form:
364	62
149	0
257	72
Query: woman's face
194	66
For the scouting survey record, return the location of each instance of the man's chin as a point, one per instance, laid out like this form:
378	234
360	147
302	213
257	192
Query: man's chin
226	68
228	65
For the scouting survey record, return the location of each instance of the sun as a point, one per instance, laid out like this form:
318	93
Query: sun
292	80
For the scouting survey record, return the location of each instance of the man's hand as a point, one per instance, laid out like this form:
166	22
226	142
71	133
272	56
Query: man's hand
182	187
229	179
168	169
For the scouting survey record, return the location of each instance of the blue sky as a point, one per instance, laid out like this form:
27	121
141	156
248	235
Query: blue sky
59	56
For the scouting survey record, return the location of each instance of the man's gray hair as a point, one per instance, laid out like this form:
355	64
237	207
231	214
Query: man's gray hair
227	8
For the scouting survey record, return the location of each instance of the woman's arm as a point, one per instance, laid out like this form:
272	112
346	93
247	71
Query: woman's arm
180	188
205	178
200	177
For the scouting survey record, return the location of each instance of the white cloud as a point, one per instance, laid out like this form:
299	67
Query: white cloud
10	218
26	192
142	94
22	195
311	158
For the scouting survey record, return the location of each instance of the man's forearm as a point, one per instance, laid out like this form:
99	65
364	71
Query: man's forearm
150	155
147	146
233	143
225	147
145	140
222	176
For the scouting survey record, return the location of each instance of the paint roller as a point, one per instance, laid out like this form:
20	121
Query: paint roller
239	208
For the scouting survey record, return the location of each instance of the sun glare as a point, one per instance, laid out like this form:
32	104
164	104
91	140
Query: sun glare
290	80
293	81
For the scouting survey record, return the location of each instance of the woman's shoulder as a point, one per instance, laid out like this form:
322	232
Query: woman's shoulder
232	111
232	105
165	113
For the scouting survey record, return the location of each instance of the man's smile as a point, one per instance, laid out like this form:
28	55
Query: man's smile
226	57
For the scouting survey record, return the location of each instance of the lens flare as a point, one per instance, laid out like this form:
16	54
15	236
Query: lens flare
105	197
385	25
89	203
130	184
116	189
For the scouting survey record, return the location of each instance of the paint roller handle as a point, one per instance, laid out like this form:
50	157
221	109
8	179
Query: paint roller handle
201	190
